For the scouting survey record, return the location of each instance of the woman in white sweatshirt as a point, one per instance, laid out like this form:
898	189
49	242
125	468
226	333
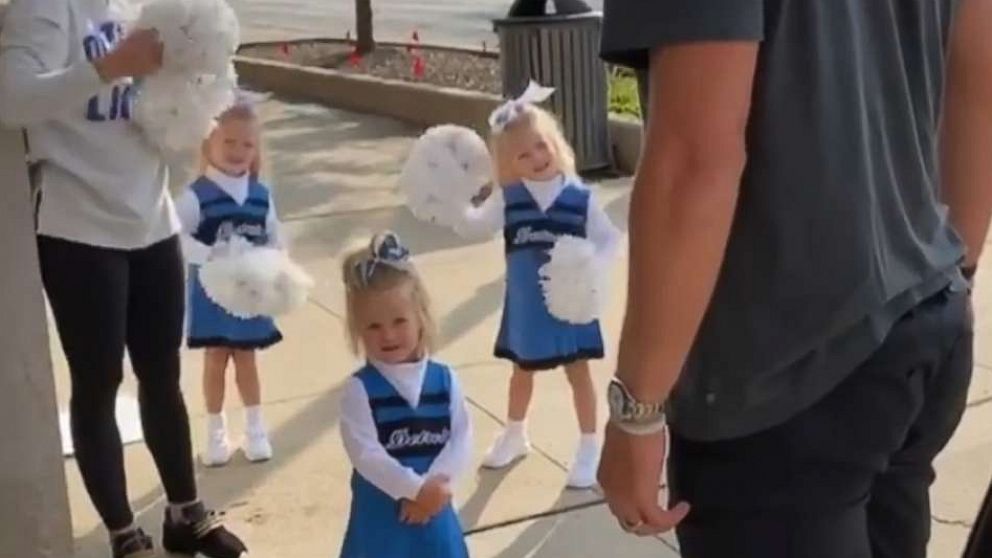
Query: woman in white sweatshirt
110	258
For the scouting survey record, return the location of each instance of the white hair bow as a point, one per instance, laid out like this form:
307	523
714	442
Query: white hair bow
510	110
245	97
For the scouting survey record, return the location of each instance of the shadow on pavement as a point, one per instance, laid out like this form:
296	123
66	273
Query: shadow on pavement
225	488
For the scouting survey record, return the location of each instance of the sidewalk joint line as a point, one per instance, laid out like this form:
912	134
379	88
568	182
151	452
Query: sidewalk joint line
952	522
978	402
536	449
532	517
325	308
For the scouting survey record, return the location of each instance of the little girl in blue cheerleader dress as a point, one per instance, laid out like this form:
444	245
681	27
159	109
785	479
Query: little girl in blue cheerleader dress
539	200
228	200
404	421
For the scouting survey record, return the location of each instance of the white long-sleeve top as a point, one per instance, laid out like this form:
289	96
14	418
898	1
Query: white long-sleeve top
188	209
369	457
102	183
489	218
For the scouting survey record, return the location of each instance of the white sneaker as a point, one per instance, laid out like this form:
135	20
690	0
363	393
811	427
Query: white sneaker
509	447
257	447
218	451
582	474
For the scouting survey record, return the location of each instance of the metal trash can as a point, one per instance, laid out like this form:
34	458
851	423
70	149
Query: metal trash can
562	51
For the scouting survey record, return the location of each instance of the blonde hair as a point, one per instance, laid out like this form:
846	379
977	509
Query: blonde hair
531	117
385	276
239	111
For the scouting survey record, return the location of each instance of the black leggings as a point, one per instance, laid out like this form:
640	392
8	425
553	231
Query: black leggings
105	300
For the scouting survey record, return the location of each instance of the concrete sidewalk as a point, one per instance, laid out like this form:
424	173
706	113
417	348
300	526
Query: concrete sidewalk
333	174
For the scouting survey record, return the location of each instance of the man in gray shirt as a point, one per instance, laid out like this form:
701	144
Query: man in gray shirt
812	180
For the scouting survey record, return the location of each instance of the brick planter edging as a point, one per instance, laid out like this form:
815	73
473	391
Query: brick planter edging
243	47
416	103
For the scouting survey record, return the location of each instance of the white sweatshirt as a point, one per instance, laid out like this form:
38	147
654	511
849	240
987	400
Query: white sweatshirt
102	183
367	454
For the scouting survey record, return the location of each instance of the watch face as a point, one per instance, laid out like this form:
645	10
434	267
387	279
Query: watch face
617	400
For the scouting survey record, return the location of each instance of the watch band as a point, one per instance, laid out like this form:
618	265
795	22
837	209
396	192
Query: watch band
633	416
641	429
648	410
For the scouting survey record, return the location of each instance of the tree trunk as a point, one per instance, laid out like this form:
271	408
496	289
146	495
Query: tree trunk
363	23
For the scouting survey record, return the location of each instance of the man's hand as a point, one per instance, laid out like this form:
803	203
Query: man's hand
138	55
434	495
629	471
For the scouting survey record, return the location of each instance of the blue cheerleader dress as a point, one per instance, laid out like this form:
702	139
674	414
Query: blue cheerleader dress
529	335
221	217
414	437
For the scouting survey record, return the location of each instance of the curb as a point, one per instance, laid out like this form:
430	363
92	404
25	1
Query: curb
390	44
416	103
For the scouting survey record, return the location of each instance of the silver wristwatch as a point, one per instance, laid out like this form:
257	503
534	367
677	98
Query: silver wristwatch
633	416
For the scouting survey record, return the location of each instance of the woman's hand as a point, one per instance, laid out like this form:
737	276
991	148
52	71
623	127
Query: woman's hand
138	55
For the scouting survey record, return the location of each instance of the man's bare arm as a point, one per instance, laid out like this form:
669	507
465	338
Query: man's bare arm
966	143
683	204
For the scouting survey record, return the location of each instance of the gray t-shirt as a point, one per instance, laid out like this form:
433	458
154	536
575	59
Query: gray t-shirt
839	230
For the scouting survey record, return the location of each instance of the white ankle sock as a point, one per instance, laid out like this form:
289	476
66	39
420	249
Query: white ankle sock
516	427
217	422
253	419
588	443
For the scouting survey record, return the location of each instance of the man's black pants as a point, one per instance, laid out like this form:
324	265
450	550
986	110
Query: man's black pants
848	477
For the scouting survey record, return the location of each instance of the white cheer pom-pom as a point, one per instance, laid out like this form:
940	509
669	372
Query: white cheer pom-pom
176	106
198	36
574	281
177	113
250	281
446	168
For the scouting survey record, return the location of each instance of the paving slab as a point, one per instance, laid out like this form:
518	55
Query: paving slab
590	533
983	346
964	468
980	391
947	541
325	161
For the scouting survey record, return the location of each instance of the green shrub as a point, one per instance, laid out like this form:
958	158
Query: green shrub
623	92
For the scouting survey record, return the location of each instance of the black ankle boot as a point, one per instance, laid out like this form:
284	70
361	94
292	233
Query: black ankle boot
200	532
132	544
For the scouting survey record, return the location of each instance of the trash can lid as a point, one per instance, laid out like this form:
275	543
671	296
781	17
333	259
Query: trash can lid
547	19
539	8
